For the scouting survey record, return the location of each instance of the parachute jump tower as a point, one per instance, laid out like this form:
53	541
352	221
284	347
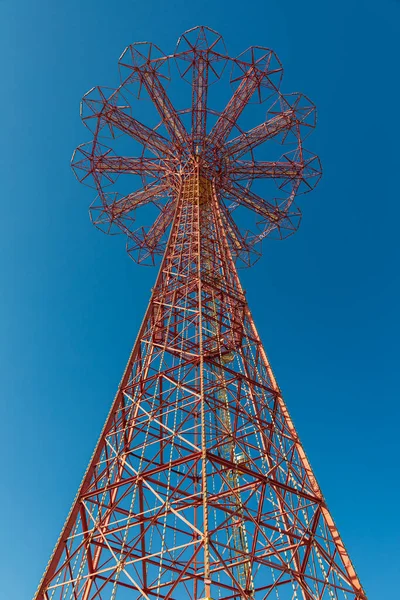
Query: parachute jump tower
199	487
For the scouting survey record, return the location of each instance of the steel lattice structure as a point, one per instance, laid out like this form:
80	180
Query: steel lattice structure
199	487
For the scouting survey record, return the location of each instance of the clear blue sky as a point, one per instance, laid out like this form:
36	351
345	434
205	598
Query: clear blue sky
325	301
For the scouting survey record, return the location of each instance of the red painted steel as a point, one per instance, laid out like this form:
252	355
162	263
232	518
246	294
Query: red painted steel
199	487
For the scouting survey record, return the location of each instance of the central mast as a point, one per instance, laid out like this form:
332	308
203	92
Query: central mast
206	285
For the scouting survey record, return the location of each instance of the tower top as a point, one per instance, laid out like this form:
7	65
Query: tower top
213	134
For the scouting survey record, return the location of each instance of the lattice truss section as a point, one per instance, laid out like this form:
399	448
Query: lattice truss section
199	487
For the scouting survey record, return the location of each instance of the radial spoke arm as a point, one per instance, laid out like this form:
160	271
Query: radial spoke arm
254	202
234	108
158	144
267	130
160	225
126	164
199	103
131	201
163	104
266	169
232	231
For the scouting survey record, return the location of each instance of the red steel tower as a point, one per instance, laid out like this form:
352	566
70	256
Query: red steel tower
199	487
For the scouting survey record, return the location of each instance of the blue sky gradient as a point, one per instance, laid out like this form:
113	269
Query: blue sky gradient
325	301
